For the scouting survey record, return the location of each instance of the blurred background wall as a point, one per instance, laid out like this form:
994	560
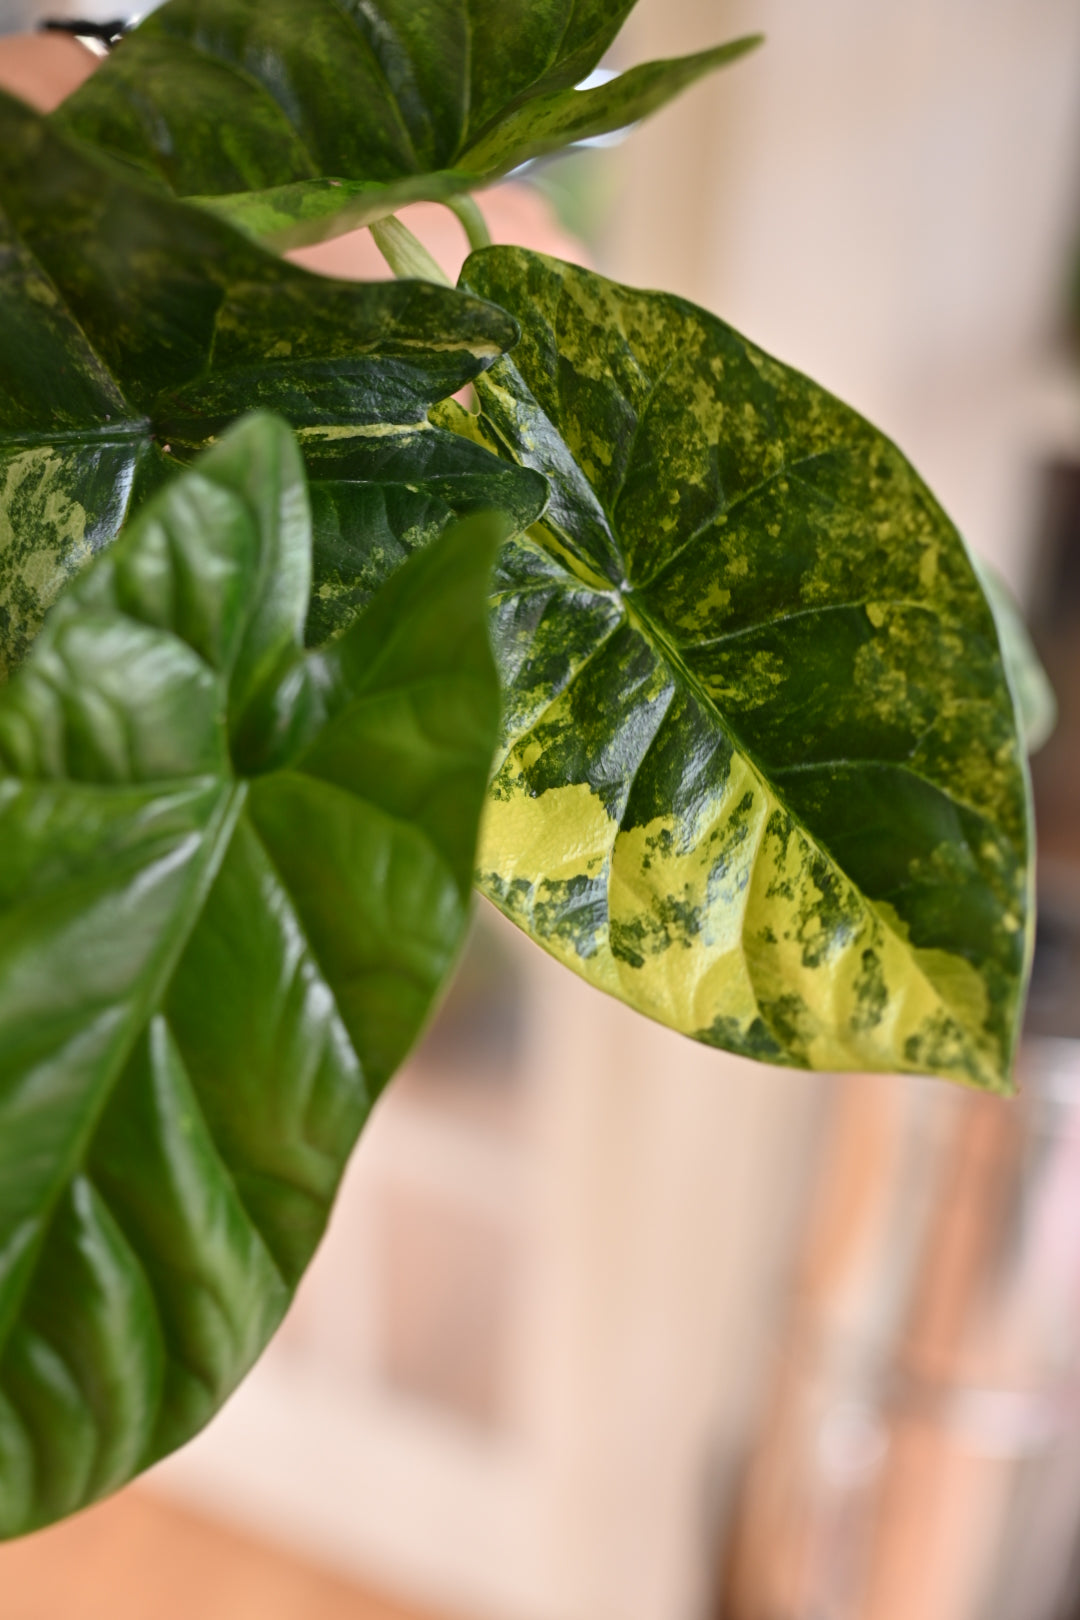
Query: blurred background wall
608	1327
885	196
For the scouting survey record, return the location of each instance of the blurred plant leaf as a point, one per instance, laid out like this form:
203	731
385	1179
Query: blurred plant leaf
134	329
761	775
1035	700
232	878
337	114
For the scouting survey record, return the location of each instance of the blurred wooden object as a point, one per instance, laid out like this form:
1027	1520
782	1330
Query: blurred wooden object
805	1514
919	1451
139	1558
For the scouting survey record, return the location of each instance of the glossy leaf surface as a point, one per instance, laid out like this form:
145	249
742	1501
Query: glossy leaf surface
222	98
762	777
133	329
232	878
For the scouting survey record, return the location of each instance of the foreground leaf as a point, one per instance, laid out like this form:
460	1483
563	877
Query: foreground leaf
232	878
339	114
762	777
133	329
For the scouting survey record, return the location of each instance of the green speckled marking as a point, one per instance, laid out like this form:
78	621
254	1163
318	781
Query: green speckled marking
761	775
376	498
134	330
58	505
300	119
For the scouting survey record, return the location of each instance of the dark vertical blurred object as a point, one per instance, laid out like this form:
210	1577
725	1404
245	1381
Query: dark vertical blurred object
1055	992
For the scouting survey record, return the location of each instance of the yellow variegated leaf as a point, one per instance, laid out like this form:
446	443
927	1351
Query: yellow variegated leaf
761	776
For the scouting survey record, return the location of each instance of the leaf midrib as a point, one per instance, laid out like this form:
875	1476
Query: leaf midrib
567	555
629	594
652	632
134	431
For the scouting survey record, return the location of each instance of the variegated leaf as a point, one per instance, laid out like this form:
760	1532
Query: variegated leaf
300	119
762	777
134	328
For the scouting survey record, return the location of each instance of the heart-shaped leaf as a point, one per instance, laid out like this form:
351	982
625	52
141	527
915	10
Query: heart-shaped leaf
337	114
232	878
762	777
134	328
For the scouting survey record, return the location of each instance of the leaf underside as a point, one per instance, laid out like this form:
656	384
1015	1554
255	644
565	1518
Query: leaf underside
761	775
134	329
333	114
232	878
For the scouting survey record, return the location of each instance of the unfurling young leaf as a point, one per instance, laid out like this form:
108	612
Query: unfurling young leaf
762	776
300	119
232	878
133	329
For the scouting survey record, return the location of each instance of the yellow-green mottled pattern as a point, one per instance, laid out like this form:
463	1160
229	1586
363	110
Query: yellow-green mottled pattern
378	497
761	773
276	98
70	443
133	330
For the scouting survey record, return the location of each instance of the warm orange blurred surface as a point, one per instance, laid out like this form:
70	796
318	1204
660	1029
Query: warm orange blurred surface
139	1558
43	68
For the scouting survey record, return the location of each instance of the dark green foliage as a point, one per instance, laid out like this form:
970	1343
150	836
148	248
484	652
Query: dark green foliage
760	774
232	878
261	103
134	329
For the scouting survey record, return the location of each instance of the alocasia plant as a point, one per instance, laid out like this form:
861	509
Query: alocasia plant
764	702
337	112
760	771
135	328
232	877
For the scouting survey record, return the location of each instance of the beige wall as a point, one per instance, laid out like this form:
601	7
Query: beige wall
880	197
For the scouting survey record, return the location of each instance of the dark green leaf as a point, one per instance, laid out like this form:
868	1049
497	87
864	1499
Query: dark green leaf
232	878
338	113
133	329
762	777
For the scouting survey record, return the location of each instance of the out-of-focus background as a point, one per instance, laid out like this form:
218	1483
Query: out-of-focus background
608	1327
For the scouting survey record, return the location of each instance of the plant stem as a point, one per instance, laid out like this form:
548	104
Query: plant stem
468	211
407	258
